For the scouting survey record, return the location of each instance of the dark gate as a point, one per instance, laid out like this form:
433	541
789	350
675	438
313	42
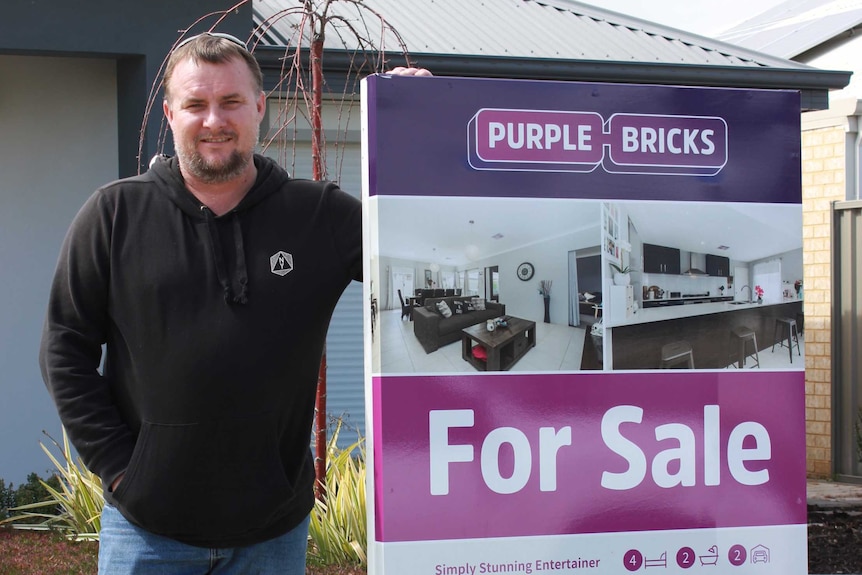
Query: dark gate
847	340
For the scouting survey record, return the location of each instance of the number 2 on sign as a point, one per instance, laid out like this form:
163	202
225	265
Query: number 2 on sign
685	557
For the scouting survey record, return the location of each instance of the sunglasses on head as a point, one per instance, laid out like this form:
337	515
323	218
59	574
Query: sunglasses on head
222	35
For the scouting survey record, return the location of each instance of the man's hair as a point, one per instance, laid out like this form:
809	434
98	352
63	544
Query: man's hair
212	48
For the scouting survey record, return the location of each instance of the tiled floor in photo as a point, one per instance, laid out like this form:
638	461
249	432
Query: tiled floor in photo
778	357
558	348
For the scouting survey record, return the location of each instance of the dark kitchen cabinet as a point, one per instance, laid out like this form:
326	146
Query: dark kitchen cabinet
718	266
661	259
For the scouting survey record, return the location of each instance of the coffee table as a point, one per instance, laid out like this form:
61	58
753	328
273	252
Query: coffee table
504	346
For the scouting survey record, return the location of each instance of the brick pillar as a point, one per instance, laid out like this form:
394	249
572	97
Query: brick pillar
823	170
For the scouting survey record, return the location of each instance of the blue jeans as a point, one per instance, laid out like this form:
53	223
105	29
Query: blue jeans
126	549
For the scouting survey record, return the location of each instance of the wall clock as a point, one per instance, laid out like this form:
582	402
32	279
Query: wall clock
526	271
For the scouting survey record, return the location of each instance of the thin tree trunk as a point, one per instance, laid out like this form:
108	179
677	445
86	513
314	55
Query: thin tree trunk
320	431
317	103
318	174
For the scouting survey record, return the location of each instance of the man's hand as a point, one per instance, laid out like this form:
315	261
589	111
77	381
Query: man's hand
116	482
402	71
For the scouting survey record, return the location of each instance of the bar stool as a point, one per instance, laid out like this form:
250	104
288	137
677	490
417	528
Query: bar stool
675	353
742	335
788	331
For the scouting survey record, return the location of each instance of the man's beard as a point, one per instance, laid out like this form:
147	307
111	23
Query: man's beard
212	172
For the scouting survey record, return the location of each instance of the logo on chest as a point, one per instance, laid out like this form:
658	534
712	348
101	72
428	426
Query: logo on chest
281	263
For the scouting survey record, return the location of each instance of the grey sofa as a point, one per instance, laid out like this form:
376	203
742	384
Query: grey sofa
433	330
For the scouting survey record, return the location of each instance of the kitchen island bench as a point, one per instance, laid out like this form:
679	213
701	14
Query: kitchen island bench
637	341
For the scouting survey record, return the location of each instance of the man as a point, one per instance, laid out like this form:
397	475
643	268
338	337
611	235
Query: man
211	280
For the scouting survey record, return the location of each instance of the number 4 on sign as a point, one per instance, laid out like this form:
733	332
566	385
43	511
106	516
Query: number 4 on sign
633	560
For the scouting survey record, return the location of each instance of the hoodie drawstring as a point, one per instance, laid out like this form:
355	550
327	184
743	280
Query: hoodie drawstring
218	258
241	271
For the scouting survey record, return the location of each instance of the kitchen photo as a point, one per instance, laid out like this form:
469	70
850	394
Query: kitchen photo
466	285
702	285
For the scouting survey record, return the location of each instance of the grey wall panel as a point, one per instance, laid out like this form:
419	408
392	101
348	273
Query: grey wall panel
847	339
56	148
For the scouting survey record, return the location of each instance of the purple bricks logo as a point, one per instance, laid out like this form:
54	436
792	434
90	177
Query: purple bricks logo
572	141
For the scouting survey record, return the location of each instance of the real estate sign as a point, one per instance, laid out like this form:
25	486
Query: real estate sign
554	418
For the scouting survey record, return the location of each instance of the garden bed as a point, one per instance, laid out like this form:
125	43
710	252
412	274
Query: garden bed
834	546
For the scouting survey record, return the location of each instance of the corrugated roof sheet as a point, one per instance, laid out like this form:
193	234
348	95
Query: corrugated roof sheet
791	28
513	28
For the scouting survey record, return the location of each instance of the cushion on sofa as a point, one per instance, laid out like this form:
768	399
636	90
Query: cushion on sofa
443	308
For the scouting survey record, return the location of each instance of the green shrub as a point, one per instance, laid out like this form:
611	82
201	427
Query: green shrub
338	528
7	499
33	491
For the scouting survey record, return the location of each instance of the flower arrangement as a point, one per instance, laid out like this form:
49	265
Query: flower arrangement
545	287
758	291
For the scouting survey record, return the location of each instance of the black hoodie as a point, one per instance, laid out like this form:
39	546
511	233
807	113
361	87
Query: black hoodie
214	328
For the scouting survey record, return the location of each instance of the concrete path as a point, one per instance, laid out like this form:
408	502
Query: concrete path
831	494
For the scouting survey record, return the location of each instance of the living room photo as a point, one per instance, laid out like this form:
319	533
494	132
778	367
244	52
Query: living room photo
460	285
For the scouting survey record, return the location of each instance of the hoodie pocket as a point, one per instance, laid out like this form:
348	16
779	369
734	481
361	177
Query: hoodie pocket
206	480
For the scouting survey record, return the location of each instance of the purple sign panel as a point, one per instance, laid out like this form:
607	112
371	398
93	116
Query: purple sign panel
583	140
579	453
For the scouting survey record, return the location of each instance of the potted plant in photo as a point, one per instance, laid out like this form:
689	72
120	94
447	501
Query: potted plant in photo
545	292
621	275
759	291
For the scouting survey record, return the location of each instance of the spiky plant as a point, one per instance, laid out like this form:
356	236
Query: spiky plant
75	508
337	528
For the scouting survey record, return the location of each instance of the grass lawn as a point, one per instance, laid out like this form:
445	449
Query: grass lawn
31	552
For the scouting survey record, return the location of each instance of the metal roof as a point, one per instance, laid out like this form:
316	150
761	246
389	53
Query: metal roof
792	28
519	28
544	39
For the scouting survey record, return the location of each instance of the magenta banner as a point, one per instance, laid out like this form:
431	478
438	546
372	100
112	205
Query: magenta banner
578	453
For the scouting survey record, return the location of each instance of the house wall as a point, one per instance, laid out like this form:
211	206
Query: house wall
56	148
823	181
136	36
830	172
